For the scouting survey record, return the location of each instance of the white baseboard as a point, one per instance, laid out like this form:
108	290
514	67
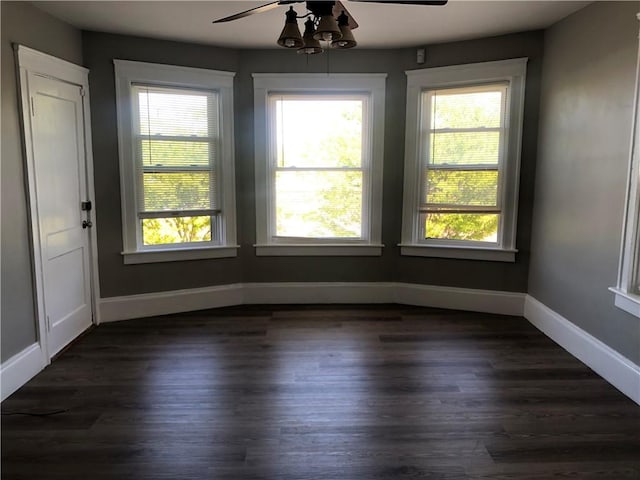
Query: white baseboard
487	301
20	368
619	371
163	303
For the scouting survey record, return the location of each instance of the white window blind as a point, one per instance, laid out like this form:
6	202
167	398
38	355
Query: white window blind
176	153
462	150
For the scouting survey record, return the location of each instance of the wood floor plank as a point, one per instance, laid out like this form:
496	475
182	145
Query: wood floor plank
324	392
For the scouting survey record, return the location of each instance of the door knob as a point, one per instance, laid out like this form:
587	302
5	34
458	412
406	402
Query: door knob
87	224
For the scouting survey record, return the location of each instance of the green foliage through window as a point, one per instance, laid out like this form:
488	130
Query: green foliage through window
177	191
464	148
462	187
456	226
162	231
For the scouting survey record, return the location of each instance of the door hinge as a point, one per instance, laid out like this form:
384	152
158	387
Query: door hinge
48	323
33	108
82	91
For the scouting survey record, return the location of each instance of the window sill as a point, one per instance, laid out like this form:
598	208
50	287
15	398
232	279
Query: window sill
319	250
177	255
628	302
463	253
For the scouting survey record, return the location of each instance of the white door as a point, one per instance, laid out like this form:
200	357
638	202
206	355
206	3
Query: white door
58	143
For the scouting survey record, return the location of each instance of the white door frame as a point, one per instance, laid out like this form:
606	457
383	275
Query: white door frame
35	62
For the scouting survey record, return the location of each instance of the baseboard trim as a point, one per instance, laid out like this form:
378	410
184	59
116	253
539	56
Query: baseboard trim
487	301
618	370
176	301
113	309
21	368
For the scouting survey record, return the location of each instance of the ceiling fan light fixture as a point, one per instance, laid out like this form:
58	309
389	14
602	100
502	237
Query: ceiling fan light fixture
346	40
290	36
328	29
311	45
323	24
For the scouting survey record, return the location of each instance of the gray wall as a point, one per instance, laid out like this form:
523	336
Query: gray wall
118	279
24	24
585	127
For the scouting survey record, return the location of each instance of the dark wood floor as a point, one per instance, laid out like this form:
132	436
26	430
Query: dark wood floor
339	393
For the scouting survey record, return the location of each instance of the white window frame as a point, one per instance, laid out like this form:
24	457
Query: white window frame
627	290
128	74
513	73
371	86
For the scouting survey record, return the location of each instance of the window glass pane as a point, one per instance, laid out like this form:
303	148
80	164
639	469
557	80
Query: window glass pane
167	153
161	231
319	204
319	132
462	226
175	112
471	148
466	110
176	191
462	187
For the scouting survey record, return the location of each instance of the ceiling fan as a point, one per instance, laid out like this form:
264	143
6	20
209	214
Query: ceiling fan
327	21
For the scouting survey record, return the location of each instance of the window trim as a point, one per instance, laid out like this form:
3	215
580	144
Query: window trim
371	85
130	73
513	72
627	290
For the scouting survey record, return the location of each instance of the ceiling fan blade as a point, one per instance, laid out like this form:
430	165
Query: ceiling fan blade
338	8
407	2
251	11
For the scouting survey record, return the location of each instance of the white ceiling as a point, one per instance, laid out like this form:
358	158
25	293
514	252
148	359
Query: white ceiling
381	26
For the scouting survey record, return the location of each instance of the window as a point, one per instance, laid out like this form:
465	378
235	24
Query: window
318	173
176	162
319	142
462	160
627	291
